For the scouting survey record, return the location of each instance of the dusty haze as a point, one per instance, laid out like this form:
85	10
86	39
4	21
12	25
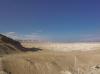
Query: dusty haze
63	46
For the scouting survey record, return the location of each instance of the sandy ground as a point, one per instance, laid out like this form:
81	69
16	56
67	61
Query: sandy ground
49	61
45	62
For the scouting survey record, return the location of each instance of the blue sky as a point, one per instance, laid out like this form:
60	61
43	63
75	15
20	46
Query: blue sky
55	19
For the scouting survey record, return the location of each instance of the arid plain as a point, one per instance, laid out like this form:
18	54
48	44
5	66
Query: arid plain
48	58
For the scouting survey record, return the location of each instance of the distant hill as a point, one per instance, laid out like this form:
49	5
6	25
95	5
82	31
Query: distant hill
8	46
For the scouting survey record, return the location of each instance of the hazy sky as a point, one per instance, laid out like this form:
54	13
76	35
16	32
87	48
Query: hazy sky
54	19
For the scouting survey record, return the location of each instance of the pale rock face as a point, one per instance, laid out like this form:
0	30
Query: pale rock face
65	72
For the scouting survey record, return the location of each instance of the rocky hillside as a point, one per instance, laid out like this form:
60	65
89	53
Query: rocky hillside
8	46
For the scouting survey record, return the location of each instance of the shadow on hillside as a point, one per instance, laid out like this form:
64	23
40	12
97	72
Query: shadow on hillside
31	49
24	49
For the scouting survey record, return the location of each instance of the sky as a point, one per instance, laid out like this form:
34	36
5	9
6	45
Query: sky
59	20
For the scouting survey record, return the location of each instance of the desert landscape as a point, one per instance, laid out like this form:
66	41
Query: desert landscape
54	46
49	36
48	58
